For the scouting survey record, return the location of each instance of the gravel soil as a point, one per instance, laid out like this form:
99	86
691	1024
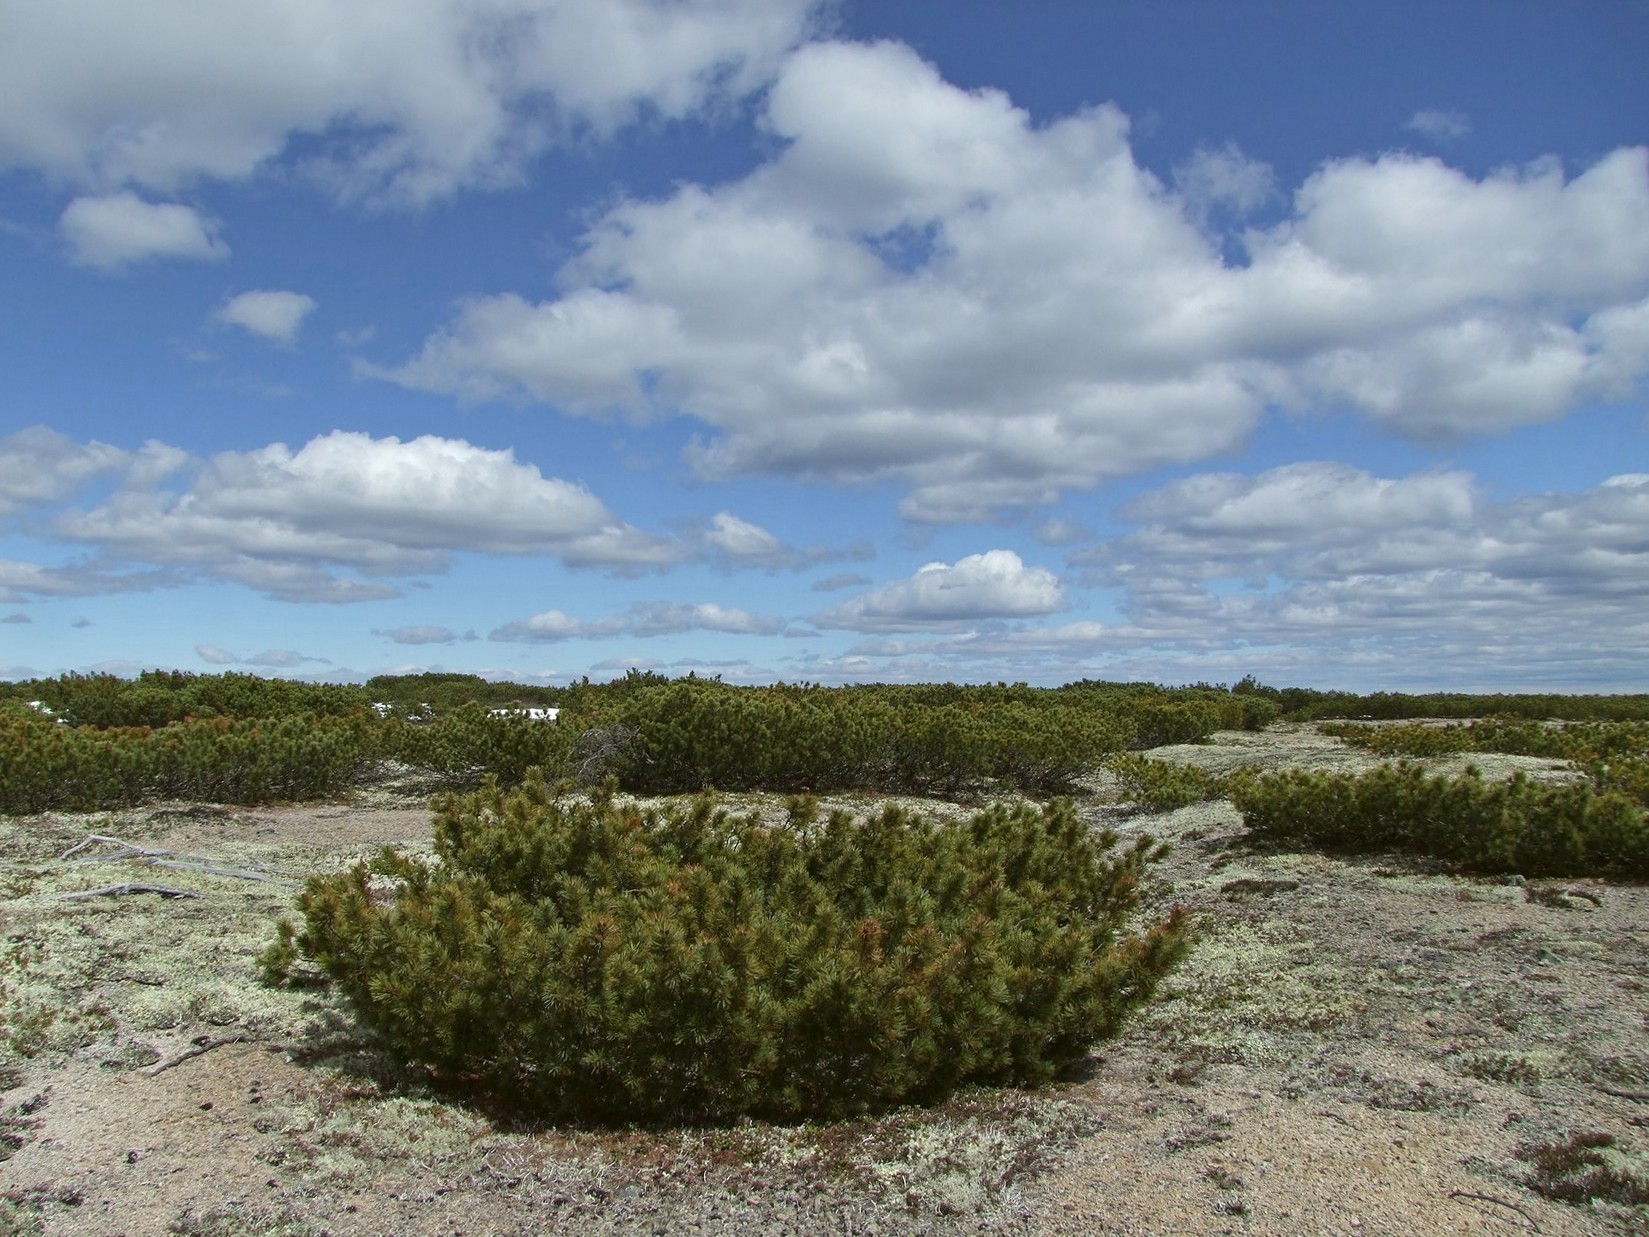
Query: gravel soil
1356	1046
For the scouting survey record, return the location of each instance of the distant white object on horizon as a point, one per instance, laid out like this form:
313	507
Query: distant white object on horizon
45	710
532	715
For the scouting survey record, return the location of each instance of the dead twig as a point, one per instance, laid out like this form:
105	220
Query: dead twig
1534	1225
103	839
202	1045
156	858
212	869
1641	1097
119	891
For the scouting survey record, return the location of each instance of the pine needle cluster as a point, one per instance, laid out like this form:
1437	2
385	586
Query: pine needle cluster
594	960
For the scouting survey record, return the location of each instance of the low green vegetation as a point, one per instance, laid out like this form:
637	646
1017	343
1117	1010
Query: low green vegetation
44	766
1162	785
1614	755
88	742
592	958
1307	704
1511	826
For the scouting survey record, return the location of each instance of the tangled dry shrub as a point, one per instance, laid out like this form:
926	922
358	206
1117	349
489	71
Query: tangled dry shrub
594	960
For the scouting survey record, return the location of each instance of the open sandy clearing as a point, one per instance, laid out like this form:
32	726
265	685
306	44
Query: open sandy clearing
1356	1046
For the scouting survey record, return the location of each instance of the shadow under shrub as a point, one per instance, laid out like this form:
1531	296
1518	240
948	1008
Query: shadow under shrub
597	961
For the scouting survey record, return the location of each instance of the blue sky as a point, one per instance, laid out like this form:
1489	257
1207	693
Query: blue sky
775	339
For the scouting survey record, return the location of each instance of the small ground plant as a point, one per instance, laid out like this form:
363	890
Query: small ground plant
1582	1167
591	959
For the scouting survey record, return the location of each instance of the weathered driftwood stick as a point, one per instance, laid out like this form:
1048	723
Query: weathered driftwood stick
212	869
118	891
103	839
1641	1097
1534	1226
205	864
201	1047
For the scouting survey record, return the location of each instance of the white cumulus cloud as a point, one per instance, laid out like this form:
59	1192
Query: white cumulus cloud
273	659
644	619
996	584
400	100
1335	560
924	287
742	539
1440	124
39	465
285	522
120	230
424	634
268	313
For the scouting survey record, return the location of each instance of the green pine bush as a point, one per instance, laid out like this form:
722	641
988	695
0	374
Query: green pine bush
46	767
1511	826
594	960
1162	785
1614	754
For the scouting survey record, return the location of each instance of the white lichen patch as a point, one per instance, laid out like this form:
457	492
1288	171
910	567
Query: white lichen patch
78	970
356	1140
1256	993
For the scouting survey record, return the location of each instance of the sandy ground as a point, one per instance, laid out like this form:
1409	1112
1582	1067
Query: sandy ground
1363	1046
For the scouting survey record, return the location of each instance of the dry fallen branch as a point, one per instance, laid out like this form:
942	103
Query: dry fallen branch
1641	1097
1534	1226
103	839
204	864
118	891
202	1045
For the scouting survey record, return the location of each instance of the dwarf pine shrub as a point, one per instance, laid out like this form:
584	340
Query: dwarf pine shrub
1614	754
45	767
1162	785
1511	826
592	959
1405	739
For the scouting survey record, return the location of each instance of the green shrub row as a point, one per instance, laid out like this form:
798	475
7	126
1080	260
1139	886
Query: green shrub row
1408	739
590	959
46	767
1513	826
654	734
160	697
1305	704
1615	755
461	748
689	735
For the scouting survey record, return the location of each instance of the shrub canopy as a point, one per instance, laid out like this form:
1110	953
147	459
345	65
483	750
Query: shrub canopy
594	959
1511	826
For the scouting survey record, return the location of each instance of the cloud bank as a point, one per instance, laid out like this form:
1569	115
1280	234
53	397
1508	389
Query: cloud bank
925	288
394	101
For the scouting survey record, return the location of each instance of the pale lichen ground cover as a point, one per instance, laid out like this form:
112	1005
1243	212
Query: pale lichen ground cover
1352	1040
